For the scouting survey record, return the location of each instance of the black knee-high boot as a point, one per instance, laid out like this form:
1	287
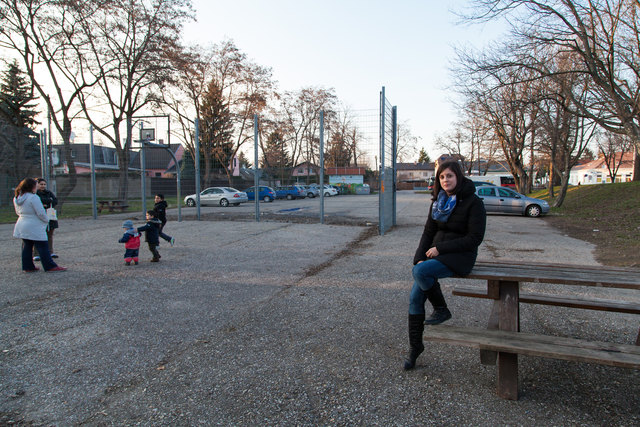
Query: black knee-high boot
440	310
416	347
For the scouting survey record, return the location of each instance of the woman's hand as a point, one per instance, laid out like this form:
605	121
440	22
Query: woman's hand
432	253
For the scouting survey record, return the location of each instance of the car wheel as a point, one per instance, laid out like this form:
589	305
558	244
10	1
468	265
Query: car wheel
533	211
327	194
267	199
289	197
224	203
191	202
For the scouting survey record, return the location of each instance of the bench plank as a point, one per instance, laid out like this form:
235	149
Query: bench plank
557	300
557	273
576	350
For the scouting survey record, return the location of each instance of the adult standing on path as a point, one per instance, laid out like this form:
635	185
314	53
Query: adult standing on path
449	245
31	227
49	201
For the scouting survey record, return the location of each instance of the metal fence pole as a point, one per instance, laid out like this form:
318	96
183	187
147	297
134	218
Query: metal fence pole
256	180
394	145
94	208
196	162
381	211
143	173
321	167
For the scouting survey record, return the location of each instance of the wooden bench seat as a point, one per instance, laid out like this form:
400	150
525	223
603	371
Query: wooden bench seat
620	355
557	300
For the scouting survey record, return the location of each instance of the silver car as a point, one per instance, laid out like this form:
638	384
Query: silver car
214	196
310	191
505	200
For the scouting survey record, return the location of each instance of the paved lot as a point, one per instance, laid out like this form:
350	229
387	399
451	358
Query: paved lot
281	323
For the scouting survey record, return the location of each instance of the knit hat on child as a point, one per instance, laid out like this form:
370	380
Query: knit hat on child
127	224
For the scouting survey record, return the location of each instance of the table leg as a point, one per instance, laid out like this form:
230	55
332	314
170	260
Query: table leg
509	321
488	357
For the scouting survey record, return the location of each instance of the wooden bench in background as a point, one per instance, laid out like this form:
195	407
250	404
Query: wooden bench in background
112	205
502	341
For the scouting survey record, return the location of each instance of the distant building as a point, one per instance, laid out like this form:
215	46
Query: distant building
158	162
345	175
305	169
413	175
596	171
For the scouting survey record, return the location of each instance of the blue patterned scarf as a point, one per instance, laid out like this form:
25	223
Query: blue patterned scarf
443	206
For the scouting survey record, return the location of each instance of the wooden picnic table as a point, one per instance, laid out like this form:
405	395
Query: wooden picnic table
503	341
112	205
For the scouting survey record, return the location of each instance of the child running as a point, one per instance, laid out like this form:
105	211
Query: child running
131	240
161	212
152	234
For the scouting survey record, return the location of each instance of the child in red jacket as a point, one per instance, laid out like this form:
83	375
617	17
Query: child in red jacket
131	240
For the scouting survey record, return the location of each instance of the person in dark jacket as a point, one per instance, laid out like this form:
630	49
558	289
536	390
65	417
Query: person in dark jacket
49	201
161	212
151	234
449	246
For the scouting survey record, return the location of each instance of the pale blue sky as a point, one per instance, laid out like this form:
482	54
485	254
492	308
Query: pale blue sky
354	46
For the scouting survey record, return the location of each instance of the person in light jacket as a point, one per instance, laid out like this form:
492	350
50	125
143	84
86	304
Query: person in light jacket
31	227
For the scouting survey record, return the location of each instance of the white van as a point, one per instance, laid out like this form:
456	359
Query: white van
497	180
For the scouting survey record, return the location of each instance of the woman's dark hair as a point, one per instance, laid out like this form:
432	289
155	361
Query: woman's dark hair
26	186
161	196
39	180
456	169
152	213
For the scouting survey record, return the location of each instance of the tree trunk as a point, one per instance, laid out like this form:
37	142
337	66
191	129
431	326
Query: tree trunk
64	192
551	177
636	163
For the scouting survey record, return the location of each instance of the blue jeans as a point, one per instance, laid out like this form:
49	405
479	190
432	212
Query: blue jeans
425	275
43	250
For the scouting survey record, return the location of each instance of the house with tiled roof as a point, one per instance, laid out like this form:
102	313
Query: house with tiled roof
596	171
413	175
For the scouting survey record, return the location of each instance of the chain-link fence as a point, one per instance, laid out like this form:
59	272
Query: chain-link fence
346	156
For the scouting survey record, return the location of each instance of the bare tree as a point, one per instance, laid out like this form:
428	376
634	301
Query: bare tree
247	88
407	145
300	115
503	96
612	148
604	34
129	42
38	32
563	133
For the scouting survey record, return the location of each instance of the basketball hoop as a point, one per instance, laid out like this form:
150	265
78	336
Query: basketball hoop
147	135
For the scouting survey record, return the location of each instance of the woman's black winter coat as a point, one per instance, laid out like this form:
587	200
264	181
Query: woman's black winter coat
457	240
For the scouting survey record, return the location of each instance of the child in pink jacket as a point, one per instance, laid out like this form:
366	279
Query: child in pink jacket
131	240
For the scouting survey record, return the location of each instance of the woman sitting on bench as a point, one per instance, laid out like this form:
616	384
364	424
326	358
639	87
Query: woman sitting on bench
448	246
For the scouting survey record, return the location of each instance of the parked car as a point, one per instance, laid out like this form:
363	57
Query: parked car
505	200
222	196
329	191
290	192
265	193
311	191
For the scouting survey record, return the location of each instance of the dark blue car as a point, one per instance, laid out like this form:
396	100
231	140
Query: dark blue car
290	192
265	193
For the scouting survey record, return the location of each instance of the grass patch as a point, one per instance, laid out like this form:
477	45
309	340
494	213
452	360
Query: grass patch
82	207
607	215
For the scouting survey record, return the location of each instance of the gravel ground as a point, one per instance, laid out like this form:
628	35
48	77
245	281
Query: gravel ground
282	323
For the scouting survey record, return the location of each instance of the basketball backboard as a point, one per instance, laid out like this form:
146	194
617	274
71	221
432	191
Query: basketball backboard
147	135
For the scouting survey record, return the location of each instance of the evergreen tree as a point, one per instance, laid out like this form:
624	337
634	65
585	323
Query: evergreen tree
19	149
423	157
216	130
